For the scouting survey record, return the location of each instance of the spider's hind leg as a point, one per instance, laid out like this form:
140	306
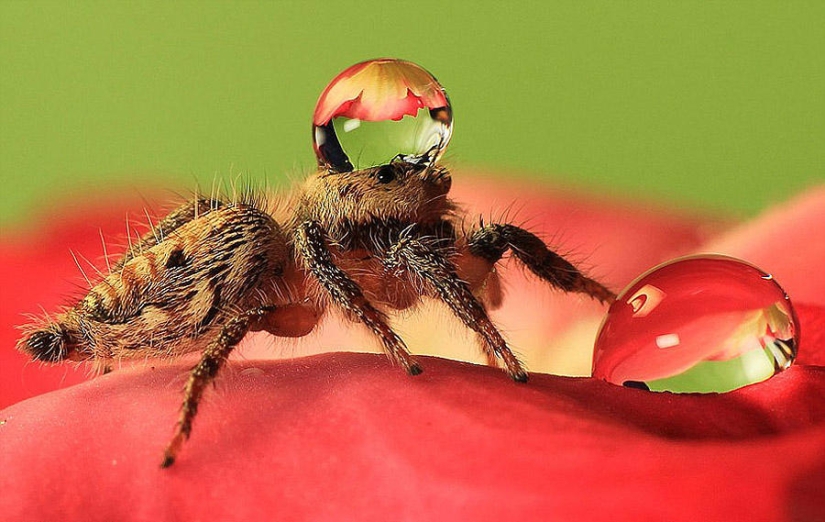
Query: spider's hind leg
204	372
491	241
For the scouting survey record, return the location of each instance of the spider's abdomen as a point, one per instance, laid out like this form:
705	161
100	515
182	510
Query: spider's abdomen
172	298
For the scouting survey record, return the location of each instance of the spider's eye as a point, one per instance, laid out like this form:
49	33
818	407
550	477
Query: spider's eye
385	174
380	111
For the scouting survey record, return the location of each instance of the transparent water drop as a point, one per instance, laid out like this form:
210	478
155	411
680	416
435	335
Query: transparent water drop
705	323
380	111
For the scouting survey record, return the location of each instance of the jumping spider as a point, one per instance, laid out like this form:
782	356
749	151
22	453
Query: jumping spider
368	241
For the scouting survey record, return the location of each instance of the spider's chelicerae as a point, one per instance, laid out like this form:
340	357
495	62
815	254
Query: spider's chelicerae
367	240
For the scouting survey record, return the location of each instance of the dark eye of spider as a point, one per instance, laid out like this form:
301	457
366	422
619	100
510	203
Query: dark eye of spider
385	174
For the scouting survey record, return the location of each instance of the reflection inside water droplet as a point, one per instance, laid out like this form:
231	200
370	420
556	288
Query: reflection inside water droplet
697	324
380	111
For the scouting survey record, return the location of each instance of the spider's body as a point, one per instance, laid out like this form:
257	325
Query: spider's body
368	241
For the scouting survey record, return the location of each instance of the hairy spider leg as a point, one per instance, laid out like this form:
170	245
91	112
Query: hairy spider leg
212	360
311	245
417	257
491	241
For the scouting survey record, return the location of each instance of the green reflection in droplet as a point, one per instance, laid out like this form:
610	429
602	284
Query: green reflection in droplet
372	143
723	376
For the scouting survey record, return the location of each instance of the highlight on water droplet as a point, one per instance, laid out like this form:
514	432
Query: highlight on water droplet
706	323
380	111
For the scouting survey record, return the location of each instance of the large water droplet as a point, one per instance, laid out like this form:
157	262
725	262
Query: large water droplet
697	324
380	111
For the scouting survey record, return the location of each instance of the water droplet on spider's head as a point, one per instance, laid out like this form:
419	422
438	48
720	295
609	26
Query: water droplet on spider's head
380	111
698	324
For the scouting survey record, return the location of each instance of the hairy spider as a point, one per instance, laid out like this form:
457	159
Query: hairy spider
367	240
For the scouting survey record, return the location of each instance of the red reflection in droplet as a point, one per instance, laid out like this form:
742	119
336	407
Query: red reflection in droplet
382	89
702	308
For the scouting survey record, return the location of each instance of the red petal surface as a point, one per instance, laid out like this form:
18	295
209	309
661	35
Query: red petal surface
347	436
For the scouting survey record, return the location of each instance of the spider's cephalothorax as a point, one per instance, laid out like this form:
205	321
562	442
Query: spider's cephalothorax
367	240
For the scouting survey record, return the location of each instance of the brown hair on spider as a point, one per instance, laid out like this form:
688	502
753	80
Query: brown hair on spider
366	241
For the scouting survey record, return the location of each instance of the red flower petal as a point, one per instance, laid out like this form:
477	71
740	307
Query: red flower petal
346	435
349	436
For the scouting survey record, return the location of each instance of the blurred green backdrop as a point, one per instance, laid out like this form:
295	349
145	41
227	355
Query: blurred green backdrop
710	104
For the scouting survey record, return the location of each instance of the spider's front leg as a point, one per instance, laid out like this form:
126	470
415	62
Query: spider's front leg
310	242
416	256
491	241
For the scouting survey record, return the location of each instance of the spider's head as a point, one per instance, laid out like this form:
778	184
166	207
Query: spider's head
390	113
413	185
397	191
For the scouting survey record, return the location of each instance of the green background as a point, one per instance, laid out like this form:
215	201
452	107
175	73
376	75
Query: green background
717	105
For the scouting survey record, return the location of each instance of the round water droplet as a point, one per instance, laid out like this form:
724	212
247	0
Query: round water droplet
697	324
380	111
